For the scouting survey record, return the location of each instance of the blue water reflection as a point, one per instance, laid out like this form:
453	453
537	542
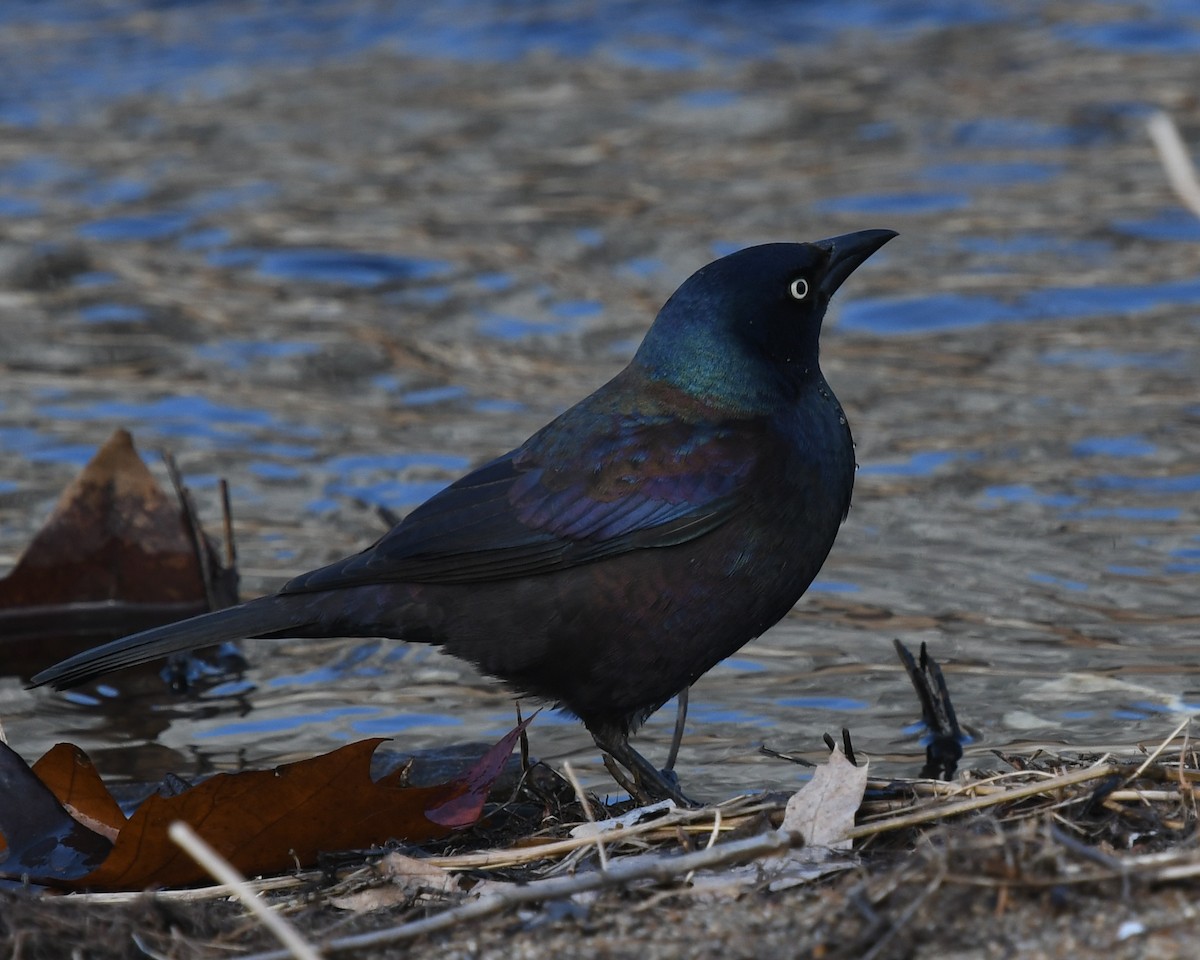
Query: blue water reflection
947	311
351	267
228	198
350	663
642	267
821	585
1148	34
498	406
39	447
740	665
268	471
1173	225
380	479
104	193
1017	133
1008	172
432	395
19	207
654	57
109	53
1147	514
268	724
1185	560
494	282
113	313
1053	581
1113	447
1025	244
91	279
394	723
395	462
206	239
708	99
895	203
1024	493
43	169
146	226
1104	359
502	326
917	465
242	354
197	419
1122	570
841	704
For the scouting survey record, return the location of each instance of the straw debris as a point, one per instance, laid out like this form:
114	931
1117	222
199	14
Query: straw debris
1054	829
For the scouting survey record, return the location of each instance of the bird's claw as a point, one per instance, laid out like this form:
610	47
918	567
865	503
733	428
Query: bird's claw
646	783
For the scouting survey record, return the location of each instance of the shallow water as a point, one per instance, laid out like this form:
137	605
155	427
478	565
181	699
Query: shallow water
350	255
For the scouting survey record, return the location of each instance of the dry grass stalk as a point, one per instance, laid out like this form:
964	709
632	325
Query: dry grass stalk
662	869
944	811
1157	752
587	812
1176	161
225	873
1071	812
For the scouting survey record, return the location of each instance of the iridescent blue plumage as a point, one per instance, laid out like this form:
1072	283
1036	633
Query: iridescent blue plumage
630	544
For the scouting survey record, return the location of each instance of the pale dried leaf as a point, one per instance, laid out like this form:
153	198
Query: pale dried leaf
822	811
372	898
414	873
406	878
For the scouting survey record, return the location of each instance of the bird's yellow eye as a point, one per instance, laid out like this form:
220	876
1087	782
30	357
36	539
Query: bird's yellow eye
798	288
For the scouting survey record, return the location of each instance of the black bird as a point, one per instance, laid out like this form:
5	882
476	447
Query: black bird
630	544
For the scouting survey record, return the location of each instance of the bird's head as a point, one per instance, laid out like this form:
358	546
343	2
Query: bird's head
743	331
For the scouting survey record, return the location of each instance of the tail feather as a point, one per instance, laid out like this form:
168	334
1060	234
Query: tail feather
258	617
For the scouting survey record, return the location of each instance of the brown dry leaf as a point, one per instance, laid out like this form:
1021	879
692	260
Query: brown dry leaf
116	555
113	535
273	820
72	778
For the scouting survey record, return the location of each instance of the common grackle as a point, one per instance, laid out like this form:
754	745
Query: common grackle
630	544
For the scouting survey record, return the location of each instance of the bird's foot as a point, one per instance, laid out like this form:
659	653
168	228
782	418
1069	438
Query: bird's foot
648	783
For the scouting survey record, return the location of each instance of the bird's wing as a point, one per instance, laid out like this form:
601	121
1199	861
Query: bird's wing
554	503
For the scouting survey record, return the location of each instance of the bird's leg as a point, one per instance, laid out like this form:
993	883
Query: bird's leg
623	779
653	783
681	705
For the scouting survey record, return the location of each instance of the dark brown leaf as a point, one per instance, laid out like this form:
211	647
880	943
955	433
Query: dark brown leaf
116	555
69	774
273	820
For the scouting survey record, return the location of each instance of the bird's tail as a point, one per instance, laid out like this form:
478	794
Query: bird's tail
267	615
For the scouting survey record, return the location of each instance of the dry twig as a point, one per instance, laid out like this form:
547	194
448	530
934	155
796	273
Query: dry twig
1176	161
661	869
225	873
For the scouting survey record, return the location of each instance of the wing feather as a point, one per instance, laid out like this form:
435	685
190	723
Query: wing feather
543	507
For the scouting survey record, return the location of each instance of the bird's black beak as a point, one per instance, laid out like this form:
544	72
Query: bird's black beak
847	253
